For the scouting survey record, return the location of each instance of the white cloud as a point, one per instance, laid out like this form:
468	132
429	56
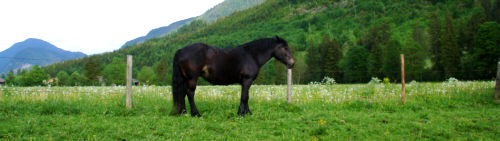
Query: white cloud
90	26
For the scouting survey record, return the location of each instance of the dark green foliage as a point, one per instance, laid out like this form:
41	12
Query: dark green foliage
331	58
373	42
414	61
416	51
391	56
355	64
160	69
266	74
63	79
420	36
435	36
77	79
281	70
450	52
487	49
469	31
300	68
146	75
492	9
115	72
35	77
313	64
495	12
10	79
466	41
92	70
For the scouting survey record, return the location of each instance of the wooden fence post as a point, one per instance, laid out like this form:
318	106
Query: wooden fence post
289	93
129	82
403	78
497	85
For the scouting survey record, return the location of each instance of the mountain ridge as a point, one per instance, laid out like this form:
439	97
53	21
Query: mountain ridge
33	51
220	10
158	32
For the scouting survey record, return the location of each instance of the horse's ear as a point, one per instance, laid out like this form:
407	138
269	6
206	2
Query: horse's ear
278	39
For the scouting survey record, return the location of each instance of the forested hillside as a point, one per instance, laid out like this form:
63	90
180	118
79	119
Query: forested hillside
350	41
227	7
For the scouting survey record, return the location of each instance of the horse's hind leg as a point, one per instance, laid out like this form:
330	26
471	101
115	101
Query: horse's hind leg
179	104
190	93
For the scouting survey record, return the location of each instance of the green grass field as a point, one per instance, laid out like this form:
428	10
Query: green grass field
433	111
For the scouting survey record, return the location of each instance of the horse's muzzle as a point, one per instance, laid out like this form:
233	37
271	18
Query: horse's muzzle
291	62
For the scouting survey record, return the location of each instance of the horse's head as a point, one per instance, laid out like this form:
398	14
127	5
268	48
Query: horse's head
282	53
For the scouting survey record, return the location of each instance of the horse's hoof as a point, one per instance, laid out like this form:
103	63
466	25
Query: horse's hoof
244	113
195	114
178	112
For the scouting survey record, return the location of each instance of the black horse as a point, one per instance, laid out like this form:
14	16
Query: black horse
223	67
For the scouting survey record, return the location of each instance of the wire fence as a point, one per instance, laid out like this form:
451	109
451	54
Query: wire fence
336	93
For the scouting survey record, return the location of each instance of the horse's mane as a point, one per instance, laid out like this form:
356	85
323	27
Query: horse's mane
259	44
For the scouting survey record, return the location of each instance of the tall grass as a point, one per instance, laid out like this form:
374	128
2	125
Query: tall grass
444	111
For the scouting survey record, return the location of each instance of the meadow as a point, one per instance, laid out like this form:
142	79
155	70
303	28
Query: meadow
453	110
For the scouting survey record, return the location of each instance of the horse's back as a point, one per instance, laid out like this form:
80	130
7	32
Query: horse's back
216	65
192	49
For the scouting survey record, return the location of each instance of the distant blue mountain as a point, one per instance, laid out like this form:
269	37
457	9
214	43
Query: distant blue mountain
158	32
31	52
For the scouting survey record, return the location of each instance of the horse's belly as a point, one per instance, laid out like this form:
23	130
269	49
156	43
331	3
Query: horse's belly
221	80
218	77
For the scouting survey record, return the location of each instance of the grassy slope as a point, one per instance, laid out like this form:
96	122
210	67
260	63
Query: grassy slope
433	111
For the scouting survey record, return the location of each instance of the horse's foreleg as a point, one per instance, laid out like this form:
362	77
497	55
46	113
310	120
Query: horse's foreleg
244	109
190	93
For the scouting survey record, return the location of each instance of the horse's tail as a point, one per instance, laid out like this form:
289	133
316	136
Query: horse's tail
179	87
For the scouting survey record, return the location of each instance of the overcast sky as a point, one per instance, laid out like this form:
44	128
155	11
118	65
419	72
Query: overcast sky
90	26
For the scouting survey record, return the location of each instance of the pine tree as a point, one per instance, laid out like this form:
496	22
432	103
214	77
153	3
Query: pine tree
355	65
496	11
323	53
466	40
332	59
420	36
478	17
160	69
373	42
487	49
414	61
92	70
435	36
391	64
313	64
450	49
